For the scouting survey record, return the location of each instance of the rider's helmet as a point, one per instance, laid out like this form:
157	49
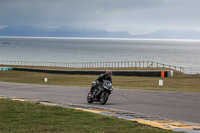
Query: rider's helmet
108	73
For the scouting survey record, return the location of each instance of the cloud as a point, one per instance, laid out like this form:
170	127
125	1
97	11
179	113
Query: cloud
108	14
174	15
65	11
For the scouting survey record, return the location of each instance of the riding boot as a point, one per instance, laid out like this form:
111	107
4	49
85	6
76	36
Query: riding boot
92	88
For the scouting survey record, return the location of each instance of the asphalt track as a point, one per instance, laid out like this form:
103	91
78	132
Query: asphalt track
180	106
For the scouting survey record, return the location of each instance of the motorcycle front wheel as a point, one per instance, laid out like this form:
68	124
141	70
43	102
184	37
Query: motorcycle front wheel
89	98
104	98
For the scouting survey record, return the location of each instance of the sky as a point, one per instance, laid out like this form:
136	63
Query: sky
133	16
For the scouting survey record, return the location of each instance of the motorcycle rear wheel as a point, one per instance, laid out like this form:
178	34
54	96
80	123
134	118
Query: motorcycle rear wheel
104	98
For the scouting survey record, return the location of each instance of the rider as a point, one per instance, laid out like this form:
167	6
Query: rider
99	80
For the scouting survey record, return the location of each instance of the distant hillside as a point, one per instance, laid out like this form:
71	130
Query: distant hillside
60	32
30	31
171	34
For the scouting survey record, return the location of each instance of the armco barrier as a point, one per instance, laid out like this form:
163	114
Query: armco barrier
153	73
5	68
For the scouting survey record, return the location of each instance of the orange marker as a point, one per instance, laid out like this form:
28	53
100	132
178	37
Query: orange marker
162	74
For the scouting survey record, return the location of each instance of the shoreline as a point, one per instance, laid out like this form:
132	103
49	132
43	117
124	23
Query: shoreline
91	38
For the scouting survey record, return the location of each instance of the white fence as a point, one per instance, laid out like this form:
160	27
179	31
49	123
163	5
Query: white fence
112	64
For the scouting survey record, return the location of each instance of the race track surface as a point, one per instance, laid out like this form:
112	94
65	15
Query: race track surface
183	106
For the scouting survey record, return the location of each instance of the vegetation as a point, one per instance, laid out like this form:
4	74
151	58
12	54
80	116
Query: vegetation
34	117
19	117
180	81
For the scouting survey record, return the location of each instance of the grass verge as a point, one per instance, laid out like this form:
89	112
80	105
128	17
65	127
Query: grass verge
180	81
19	117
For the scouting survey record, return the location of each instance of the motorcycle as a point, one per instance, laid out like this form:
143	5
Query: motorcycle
100	93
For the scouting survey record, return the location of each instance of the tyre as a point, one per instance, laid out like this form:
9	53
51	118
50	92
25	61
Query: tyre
89	98
104	98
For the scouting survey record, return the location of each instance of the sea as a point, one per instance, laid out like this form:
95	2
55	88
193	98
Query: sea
181	53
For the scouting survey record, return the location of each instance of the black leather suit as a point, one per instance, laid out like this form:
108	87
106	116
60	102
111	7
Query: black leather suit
99	81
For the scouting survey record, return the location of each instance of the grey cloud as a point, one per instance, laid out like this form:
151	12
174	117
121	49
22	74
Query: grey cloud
178	15
65	11
108	14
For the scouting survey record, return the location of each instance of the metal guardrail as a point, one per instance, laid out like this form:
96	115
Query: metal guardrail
160	65
112	64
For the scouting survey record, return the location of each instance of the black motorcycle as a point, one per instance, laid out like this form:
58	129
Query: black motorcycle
100	93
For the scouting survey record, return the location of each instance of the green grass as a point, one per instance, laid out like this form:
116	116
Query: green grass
18	117
21	117
180	81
